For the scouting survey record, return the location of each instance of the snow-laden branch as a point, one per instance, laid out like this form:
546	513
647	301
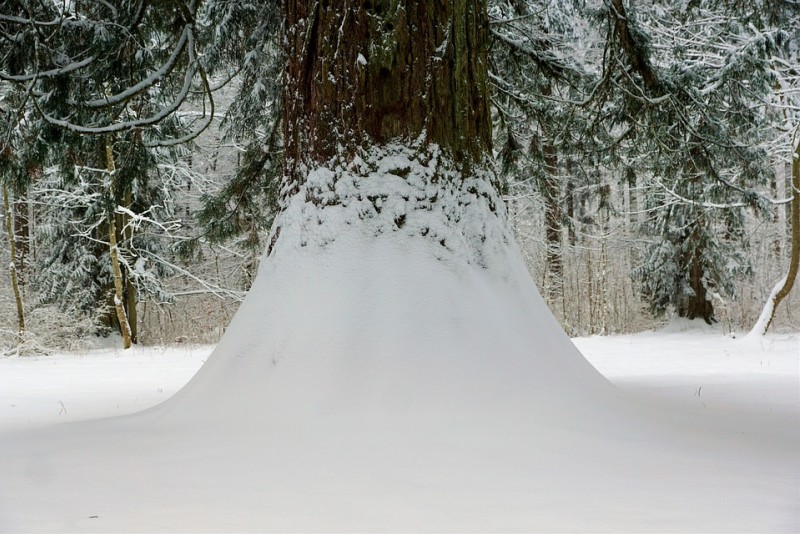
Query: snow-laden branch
151	80
191	70
716	205
217	291
31	22
135	221
76	65
197	131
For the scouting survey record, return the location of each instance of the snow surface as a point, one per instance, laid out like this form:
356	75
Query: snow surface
408	377
754	383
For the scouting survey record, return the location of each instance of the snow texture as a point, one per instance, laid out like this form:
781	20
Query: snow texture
394	368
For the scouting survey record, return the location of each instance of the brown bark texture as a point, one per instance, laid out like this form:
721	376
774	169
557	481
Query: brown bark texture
697	305
636	56
365	72
122	317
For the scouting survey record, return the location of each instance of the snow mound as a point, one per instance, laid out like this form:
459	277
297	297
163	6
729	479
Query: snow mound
434	315
393	368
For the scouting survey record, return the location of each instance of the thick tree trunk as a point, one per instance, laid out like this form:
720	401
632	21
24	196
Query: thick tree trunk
363	73
697	305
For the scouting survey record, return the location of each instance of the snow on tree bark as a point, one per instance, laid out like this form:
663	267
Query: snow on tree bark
363	73
119	306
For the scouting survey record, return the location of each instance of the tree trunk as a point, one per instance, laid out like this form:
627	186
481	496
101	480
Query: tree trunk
12	267
363	73
119	306
571	234
551	192
22	234
785	285
697	305
392	249
130	288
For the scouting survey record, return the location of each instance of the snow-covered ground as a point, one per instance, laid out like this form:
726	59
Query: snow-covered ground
726	380
694	370
393	368
42	390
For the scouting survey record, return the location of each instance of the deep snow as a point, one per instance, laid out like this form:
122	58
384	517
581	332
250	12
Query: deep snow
394	368
756	385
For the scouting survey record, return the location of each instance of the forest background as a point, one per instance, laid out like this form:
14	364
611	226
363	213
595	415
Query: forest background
646	152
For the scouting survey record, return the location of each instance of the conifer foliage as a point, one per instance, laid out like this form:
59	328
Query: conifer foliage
662	122
99	87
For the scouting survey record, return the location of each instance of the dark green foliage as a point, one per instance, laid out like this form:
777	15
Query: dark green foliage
79	77
242	48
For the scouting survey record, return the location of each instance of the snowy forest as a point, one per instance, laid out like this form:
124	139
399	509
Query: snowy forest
643	149
400	266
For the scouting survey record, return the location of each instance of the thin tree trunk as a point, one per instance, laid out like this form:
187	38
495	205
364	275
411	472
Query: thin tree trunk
777	247
571	211
131	311
125	328
552	217
604	291
21	236
551	192
13	266
785	285
590	288
130	288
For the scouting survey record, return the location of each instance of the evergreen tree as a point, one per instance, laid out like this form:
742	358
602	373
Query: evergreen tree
106	82
242	49
682	100
538	81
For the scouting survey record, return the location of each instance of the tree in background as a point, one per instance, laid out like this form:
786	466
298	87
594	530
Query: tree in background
538	88
242	48
106	83
687	85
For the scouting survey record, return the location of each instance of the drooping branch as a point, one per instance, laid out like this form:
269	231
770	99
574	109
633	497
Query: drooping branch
154	78
191	71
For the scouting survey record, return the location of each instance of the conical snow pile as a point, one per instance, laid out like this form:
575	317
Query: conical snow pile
394	287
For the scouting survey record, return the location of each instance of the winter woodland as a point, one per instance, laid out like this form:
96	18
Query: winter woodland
645	161
386	216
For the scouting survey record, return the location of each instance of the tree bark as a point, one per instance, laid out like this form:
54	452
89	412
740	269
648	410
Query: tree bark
552	216
551	191
130	288
361	73
119	306
785	285
636	55
13	266
22	234
696	305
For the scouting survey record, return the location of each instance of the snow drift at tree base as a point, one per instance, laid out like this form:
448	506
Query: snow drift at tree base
393	288
394	369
